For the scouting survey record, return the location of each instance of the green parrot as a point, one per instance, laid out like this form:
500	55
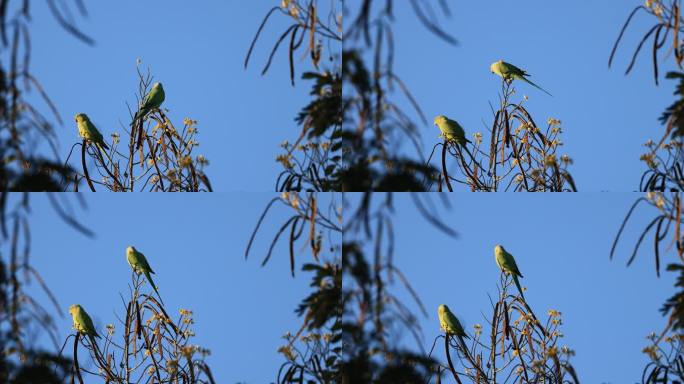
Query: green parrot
82	322
152	100
451	326
507	264
451	130
510	72
87	130
449	322
139	263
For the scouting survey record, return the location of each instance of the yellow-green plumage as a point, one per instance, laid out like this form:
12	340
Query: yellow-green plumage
152	101
510	72
87	130
507	264
139	263
451	130
449	322
82	321
452	327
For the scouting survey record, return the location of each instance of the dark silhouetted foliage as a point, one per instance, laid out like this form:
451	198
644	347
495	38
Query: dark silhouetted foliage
312	162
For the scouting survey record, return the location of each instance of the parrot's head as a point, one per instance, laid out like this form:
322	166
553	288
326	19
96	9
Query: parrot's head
81	117
442	308
130	249
157	85
440	119
495	67
74	308
498	248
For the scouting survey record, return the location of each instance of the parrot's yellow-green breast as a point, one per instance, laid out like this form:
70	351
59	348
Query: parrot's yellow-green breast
449	322
82	321
87	130
82	124
502	69
505	260
495	67
450	129
442	318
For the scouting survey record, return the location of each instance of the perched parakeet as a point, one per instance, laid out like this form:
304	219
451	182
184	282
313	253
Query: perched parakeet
449	323
451	326
451	130
507	264
152	100
510	72
87	130
139	263
82	322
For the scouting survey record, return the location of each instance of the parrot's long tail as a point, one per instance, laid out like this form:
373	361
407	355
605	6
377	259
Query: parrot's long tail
536	86
93	337
149	278
517	284
464	347
103	146
137	126
138	115
141	114
92	341
102	150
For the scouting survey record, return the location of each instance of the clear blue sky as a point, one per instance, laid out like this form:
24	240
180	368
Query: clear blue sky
561	245
196	247
565	47
197	52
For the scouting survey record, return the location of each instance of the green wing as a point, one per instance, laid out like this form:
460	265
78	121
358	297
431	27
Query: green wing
154	99
449	322
510	265
451	130
509	72
455	130
142	262
506	263
95	135
84	323
454	324
88	323
139	263
520	74
88	131
512	70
